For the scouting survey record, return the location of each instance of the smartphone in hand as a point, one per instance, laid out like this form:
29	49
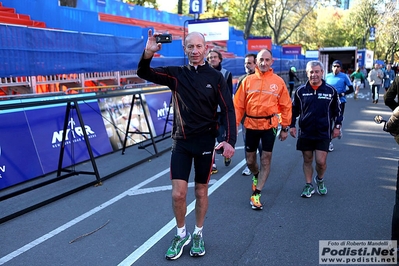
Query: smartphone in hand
163	38
220	150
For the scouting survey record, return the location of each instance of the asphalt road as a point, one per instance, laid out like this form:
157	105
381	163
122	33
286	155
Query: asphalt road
129	220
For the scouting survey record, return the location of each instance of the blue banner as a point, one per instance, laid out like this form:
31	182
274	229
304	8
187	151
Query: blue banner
158	105
46	124
30	140
33	136
292	49
19	160
372	34
31	52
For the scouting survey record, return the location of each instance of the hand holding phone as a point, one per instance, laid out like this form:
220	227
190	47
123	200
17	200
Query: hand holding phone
163	38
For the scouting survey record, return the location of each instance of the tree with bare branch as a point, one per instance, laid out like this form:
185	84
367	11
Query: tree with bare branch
284	16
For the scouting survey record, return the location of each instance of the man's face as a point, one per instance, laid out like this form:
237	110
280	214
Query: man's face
376	66
314	75
213	59
249	64
195	48
264	61
336	68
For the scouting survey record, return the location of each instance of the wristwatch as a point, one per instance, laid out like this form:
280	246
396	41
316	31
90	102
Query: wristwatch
285	129
338	126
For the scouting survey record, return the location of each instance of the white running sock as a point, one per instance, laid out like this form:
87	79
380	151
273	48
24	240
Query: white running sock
181	231
198	230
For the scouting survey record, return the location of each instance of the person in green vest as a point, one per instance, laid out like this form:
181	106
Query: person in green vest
357	78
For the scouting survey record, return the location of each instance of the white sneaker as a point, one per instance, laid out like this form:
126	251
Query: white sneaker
340	134
214	169
331	147
246	171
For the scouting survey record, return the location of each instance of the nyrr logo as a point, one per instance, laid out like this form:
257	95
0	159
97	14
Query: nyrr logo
2	170
2	167
163	112
73	134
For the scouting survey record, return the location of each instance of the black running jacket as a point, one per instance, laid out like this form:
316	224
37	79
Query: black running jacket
196	94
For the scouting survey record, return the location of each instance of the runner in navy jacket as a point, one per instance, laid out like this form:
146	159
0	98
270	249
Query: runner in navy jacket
318	107
324	102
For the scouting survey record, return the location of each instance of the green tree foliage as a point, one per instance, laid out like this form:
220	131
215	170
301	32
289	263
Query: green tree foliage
387	33
362	17
305	35
276	18
217	9
312	24
146	3
283	17
331	28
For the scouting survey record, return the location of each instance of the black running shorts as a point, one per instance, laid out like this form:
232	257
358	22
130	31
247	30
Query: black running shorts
201	150
252	138
312	144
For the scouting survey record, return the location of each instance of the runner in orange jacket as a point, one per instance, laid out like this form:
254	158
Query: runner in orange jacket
261	97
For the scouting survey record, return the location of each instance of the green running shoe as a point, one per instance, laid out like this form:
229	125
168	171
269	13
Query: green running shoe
198	248
320	187
307	192
176	249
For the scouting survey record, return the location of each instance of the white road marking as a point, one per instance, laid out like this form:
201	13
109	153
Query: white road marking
162	188
132	191
140	251
71	223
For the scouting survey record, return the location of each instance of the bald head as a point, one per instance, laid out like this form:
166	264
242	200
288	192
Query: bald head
195	48
264	60
194	34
